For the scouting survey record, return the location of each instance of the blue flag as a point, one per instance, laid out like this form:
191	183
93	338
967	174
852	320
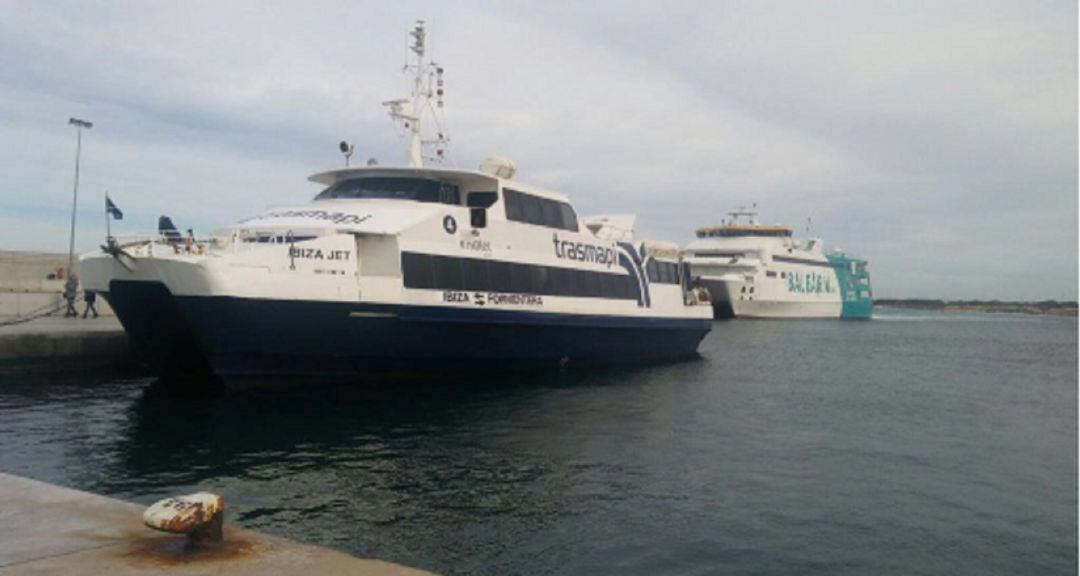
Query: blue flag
112	209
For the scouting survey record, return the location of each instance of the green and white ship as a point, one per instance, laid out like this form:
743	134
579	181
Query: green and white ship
756	271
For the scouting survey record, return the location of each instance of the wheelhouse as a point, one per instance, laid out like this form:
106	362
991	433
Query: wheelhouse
476	190
393	188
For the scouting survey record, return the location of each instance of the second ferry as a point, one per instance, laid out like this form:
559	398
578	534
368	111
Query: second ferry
756	271
404	266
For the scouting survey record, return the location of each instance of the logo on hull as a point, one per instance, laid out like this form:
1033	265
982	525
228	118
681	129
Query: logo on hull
583	252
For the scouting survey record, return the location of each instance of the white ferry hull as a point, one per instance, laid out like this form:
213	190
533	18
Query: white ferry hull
190	314
730	301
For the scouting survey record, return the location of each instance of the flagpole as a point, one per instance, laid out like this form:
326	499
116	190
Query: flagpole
108	220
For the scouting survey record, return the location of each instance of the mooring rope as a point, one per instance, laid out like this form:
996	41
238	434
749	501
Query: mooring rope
39	312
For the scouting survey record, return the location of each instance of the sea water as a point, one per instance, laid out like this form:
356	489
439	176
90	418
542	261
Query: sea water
914	443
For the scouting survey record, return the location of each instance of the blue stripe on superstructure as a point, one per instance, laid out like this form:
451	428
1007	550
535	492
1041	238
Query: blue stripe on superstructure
630	249
631	271
639	270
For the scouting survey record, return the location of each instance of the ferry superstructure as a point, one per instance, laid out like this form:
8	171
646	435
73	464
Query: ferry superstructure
404	266
757	271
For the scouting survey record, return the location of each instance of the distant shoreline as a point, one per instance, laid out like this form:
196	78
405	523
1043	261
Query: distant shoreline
1044	308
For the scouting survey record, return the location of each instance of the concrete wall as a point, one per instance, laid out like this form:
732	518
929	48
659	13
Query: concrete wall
31	271
32	280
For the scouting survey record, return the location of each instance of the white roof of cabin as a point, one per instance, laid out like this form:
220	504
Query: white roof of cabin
470	178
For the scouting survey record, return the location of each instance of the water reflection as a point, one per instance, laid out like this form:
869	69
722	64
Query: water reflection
393	465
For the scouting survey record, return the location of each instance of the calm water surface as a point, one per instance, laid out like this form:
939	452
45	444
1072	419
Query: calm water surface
916	443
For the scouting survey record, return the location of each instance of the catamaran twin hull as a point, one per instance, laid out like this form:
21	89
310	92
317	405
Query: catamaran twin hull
244	338
252	338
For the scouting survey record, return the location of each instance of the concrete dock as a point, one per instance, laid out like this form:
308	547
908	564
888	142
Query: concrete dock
55	343
47	529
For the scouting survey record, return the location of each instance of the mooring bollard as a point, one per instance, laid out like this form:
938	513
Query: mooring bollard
200	516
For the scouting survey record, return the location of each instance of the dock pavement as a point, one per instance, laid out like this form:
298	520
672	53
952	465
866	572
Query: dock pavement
47	529
55	343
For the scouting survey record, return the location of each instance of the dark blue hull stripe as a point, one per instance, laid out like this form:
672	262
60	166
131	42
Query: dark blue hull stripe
520	317
250	337
631	260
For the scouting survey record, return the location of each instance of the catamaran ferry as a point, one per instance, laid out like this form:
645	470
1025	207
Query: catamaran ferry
757	271
403	266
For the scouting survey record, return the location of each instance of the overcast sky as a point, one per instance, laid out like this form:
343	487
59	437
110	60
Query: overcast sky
936	139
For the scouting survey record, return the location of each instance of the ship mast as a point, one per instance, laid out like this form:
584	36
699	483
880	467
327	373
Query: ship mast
426	99
749	212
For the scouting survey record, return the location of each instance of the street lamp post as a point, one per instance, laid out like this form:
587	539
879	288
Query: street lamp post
79	124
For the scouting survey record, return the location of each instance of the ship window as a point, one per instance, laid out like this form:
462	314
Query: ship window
521	207
541	280
448	273
614	286
481	199
552	215
593	288
569	218
476	274
662	272
416	189
531	211
499	275
520	278
514	209
561	281
417	270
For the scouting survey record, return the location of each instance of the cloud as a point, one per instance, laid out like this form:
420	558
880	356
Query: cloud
938	140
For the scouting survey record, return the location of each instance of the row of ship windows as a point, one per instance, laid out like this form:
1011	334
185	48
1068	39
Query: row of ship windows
662	272
772	274
521	207
426	271
431	272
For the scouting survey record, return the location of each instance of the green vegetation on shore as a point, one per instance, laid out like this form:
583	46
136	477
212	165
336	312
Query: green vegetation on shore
1050	307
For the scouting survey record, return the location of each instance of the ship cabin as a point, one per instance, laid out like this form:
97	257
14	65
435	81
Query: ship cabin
475	190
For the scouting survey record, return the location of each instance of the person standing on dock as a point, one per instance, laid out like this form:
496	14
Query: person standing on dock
71	288
90	297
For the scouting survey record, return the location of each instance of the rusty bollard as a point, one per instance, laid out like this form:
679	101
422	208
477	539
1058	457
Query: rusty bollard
200	516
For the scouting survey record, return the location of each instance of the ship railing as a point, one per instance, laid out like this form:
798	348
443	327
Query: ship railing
150	244
144	244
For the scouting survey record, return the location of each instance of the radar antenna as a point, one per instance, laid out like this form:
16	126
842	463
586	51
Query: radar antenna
426	100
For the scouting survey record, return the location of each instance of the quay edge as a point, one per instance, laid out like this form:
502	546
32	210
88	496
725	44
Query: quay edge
48	529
